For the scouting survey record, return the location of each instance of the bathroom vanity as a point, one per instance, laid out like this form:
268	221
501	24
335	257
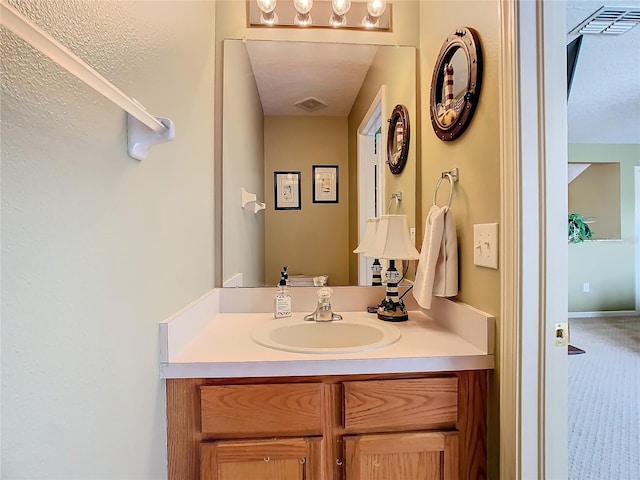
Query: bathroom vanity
409	410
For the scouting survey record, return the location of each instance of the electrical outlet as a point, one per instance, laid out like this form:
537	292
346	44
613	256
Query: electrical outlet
412	234
586	287
562	334
485	245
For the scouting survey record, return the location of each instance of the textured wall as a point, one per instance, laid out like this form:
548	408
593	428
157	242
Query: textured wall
97	248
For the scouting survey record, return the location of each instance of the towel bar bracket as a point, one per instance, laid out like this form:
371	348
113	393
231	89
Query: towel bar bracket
140	138
453	173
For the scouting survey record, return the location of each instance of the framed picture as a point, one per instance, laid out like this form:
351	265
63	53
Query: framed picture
287	190
325	184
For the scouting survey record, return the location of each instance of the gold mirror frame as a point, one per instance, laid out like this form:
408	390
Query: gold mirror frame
451	117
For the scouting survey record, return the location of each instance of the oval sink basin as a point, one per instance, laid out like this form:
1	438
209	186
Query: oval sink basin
343	336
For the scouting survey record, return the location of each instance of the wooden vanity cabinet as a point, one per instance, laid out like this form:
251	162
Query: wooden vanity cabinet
365	427
415	456
281	459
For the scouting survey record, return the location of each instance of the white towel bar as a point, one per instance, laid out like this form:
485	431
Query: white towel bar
140	139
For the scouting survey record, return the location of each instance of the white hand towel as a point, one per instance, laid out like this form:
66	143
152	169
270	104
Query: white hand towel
431	243
437	272
445	283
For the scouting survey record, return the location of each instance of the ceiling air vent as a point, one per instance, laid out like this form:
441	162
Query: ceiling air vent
311	104
609	21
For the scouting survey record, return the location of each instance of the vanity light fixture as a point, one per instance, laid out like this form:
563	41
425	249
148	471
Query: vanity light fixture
392	242
342	14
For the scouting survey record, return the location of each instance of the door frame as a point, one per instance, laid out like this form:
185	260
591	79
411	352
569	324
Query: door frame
533	119
636	203
365	145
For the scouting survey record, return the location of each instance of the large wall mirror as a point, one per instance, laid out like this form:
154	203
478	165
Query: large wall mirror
293	107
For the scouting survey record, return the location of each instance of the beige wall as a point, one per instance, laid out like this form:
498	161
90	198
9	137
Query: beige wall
595	193
314	239
396	69
97	247
476	154
608	266
242	166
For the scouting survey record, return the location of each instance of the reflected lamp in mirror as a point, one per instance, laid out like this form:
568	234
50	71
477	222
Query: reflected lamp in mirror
365	246
345	14
393	242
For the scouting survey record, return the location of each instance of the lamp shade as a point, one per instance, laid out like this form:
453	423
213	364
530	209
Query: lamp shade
392	240
369	235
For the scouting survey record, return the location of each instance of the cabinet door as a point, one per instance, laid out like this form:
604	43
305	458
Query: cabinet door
415	456
286	459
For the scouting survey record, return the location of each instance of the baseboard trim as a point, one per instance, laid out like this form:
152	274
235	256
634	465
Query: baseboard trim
604	313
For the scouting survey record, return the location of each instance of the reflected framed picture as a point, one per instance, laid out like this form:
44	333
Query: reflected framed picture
325	184
287	190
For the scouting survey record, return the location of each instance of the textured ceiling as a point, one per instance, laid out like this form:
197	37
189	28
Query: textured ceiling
287	72
604	105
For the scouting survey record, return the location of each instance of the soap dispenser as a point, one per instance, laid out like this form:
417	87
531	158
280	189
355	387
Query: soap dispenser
282	300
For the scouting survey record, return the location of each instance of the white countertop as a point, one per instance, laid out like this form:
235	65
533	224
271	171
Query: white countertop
221	347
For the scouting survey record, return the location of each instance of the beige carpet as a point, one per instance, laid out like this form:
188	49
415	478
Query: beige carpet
604	399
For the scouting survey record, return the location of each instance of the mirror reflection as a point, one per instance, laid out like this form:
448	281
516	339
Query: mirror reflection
454	87
290	107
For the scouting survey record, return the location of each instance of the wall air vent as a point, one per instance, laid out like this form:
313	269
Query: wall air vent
311	104
609	21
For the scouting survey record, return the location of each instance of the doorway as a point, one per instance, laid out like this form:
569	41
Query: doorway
370	145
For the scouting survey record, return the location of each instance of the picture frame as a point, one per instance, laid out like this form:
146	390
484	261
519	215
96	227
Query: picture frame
286	186
325	183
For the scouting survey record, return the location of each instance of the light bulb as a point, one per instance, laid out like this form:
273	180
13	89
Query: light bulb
303	20
267	6
376	7
303	6
270	18
370	22
340	7
337	20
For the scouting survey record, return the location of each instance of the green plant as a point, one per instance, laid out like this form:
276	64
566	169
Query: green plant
579	231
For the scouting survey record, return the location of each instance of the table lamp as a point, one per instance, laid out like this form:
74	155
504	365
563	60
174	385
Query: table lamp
392	242
365	244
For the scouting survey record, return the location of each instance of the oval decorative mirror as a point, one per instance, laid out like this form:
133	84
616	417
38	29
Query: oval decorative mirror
455	86
398	137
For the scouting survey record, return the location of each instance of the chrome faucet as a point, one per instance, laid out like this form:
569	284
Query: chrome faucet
323	311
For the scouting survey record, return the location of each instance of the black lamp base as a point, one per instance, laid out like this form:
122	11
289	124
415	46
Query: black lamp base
399	314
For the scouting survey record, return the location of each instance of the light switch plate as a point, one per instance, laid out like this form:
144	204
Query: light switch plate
485	245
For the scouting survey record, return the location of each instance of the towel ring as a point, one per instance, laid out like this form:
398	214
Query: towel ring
449	177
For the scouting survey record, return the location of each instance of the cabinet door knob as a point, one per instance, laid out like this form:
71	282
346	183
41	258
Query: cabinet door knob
338	462
267	459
